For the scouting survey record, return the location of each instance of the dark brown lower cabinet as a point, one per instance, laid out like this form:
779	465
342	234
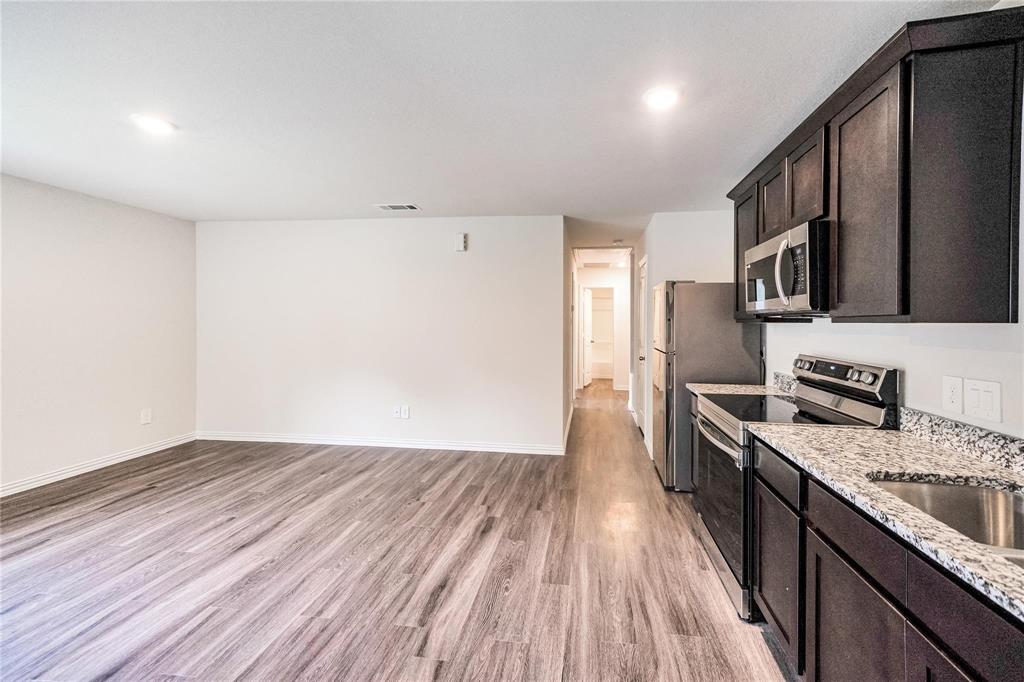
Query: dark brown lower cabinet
926	663
853	632
776	575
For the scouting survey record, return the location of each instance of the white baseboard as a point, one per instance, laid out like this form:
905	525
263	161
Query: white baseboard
92	464
514	448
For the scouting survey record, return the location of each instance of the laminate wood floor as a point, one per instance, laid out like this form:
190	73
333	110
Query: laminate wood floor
217	561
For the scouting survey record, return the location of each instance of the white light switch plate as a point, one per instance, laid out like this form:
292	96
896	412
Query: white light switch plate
983	399
953	394
405	411
146	416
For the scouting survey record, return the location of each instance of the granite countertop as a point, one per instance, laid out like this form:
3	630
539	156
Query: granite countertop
847	460
735	389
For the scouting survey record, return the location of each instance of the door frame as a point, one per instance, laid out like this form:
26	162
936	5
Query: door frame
639	395
631	313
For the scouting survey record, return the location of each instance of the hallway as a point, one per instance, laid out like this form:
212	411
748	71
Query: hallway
274	561
653	606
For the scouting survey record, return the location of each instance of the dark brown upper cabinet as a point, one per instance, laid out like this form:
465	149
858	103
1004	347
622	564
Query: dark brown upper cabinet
745	222
793	192
866	245
805	181
772	204
964	184
915	162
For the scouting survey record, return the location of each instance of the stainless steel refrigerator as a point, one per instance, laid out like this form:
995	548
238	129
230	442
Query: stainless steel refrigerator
695	339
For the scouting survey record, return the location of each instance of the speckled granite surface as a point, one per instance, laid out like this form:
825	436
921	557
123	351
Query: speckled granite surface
846	460
735	389
988	446
787	382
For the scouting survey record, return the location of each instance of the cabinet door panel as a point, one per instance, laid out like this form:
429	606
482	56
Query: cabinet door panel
773	203
805	169
777	562
865	179
963	156
745	217
926	663
853	633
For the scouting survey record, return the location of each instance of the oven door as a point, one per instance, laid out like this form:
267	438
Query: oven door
778	274
719	493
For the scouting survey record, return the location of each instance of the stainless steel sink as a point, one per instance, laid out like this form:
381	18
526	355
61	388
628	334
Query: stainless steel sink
987	515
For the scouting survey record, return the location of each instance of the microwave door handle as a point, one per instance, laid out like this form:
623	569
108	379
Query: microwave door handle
778	271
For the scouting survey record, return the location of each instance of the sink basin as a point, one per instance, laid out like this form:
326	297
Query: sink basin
986	515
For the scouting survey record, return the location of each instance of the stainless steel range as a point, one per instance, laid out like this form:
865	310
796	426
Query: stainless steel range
828	392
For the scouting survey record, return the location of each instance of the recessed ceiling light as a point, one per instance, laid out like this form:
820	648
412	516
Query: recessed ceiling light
661	98
153	125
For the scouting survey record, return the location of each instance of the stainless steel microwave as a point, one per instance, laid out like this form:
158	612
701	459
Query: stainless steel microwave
789	274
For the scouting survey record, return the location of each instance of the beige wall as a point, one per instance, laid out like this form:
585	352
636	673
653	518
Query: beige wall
98	315
695	245
314	330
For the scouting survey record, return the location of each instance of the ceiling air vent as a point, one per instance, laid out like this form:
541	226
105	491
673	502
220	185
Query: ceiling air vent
397	207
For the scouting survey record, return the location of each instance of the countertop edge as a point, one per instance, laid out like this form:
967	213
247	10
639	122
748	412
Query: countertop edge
981	584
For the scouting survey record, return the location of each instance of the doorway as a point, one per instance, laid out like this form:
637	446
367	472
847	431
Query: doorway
640	395
599	328
603	335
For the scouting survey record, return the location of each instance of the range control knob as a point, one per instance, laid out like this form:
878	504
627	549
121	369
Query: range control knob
806	364
853	375
868	378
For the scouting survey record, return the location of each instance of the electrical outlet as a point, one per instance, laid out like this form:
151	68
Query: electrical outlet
983	399
146	416
396	411
953	394
405	411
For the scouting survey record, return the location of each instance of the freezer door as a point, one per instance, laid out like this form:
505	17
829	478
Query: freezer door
661	402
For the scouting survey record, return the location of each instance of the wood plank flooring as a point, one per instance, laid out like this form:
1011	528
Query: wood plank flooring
217	561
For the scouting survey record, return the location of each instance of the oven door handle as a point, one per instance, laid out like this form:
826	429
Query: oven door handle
778	271
737	455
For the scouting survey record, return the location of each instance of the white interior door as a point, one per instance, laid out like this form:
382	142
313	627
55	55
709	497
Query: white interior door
588	335
640	399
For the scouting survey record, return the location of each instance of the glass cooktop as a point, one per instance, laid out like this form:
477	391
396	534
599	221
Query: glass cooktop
777	409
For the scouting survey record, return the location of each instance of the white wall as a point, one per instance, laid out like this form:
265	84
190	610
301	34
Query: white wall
691	245
696	245
314	330
616	279
925	352
98	314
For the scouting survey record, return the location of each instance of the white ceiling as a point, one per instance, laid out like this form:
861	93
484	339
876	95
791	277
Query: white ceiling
296	110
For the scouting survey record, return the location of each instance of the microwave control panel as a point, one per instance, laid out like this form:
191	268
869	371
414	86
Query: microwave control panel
799	255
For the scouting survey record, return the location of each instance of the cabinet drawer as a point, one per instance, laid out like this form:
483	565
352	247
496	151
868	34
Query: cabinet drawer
985	641
878	555
783	477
